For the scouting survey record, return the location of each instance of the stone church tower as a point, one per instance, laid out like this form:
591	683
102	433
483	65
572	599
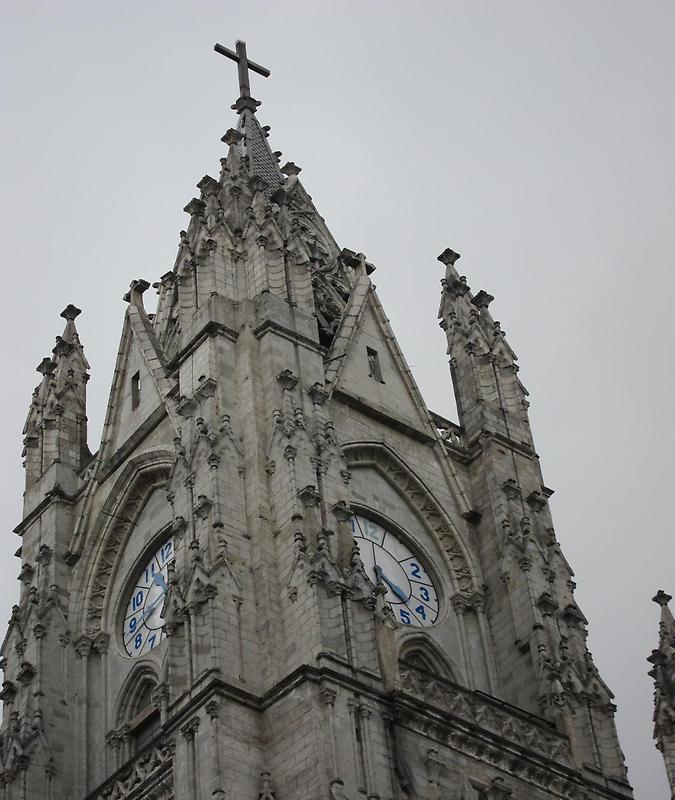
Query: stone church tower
281	575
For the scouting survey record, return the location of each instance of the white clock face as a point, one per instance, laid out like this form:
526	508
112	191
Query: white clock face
143	626
389	562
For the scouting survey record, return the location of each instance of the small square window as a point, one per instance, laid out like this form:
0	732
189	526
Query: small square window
374	365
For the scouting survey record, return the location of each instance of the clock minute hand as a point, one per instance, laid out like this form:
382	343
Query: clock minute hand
395	589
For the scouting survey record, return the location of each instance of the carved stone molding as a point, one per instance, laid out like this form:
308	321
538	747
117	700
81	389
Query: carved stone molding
480	711
147	776
120	514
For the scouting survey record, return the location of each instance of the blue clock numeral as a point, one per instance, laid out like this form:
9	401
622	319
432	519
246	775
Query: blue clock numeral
132	624
420	610
415	570
165	552
137	601
425	593
405	617
152	640
138	641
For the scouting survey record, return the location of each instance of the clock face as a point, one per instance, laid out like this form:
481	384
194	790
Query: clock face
143	626
388	561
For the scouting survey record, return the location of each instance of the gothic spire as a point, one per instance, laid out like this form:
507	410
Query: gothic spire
56	427
253	230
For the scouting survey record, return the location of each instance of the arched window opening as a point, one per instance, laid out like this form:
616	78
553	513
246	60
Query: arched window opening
138	716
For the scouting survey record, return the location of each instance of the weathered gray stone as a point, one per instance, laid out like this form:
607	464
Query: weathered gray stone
263	405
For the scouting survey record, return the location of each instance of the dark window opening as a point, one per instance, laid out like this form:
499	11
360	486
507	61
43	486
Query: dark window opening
146	723
374	365
135	390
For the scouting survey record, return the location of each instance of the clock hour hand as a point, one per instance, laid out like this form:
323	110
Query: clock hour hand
148	611
395	589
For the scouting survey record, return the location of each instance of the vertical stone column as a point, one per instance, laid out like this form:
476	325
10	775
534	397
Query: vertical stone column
22	763
189	732
50	772
64	641
218	790
459	606
365	712
83	649
329	696
486	642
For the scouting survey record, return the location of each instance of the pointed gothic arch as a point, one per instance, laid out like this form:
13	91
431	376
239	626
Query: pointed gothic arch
135	693
463	568
141	476
136	713
417	650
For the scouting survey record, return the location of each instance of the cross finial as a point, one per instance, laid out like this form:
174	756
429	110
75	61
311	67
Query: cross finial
244	64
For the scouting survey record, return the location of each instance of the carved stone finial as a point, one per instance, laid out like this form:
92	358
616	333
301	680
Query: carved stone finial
661	598
232	137
257	184
318	393
448	256
46	367
342	510
482	299
511	489
309	496
287	379
209	185
195	207
70	312
290	168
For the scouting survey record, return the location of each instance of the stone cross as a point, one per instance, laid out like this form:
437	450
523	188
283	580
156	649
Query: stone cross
243	65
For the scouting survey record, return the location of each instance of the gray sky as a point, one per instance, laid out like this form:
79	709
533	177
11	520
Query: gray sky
535	138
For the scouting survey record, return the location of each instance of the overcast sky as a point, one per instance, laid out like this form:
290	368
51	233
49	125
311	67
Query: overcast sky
535	138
